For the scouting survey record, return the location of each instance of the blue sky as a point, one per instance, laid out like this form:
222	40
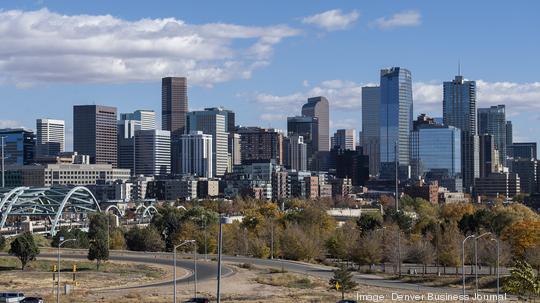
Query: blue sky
263	58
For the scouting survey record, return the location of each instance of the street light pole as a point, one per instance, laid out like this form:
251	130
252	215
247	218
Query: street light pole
463	262
220	244
61	242
174	264
498	264
3	164
205	242
195	265
272	240
397	207
222	220
476	259
108	231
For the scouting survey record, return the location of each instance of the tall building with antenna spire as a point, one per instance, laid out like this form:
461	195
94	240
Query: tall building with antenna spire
459	110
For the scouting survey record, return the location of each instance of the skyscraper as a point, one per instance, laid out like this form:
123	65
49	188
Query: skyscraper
345	139
308	128
152	152
371	101
261	145
212	121
126	142
318	107
296	153
19	145
146	117
509	138
50	137
492	120
487	155
436	147
95	133
196	154
174	105
524	150
396	110
459	110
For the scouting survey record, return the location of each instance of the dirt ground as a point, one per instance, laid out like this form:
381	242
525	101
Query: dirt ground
246	285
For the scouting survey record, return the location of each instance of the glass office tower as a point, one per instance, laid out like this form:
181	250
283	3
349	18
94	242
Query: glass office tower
396	110
437	148
459	110
371	101
492	121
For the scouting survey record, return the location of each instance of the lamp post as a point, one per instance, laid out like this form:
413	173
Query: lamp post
195	266
3	163
174	264
476	259
222	220
61	242
397	208
205	241
463	262
498	264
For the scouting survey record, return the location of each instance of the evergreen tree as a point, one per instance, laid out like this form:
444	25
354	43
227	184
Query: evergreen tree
342	281
24	248
97	234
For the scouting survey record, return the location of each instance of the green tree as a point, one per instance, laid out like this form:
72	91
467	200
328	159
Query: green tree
168	223
523	281
66	233
342	281
117	240
302	243
24	248
2	242
449	245
98	249
145	239
370	221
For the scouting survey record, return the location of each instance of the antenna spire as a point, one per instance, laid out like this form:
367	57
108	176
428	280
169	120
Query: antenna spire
459	67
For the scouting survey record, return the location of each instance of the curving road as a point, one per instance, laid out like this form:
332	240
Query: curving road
208	270
205	270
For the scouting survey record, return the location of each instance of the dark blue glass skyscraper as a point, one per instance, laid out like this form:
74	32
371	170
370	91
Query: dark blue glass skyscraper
395	118
459	110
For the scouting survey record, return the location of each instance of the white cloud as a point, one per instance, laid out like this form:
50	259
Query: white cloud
272	117
518	97
10	124
332	20
401	19
346	123
342	95
44	46
345	96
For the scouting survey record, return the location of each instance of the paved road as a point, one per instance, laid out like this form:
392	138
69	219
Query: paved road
205	270
208	270
325	272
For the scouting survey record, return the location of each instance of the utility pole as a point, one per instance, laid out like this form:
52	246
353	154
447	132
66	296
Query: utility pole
220	244
3	164
397	207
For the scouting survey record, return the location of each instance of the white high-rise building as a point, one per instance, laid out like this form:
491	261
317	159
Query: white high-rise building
297	153
152	152
50	139
147	118
196	154
212	121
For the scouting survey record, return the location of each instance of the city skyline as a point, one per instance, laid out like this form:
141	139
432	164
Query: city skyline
260	94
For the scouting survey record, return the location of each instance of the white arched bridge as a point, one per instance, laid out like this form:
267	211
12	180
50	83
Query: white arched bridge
55	205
